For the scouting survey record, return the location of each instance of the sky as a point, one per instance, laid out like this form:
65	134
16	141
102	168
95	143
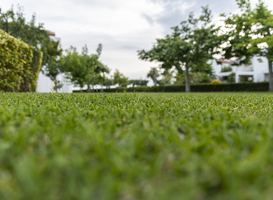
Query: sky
122	26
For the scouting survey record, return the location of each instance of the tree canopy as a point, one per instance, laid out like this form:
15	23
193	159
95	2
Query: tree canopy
154	74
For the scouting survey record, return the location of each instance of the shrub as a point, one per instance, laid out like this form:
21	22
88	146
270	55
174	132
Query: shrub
215	82
231	78
195	78
138	82
224	87
245	78
226	69
205	79
20	65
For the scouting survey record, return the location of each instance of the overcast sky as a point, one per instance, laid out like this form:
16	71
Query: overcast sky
122	26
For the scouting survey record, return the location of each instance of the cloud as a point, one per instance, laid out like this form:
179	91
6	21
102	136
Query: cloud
129	47
175	11
149	19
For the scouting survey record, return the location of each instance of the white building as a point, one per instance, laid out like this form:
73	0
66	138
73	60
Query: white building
257	72
45	85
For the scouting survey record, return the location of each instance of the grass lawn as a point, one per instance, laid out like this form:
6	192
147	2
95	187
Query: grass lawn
198	146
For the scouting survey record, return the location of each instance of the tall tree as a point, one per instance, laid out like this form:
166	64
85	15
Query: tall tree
95	68
5	17
190	45
250	33
99	50
74	67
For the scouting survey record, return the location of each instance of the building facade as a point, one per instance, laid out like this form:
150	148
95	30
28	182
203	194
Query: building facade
256	72
45	85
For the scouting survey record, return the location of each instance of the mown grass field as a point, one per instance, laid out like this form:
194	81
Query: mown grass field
195	146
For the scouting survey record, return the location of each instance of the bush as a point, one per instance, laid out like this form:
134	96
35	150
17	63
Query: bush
205	79
226	69
20	65
224	87
138	82
231	78
245	78
195	78
215	82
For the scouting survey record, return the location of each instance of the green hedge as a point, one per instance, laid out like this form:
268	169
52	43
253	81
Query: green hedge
20	65
230	87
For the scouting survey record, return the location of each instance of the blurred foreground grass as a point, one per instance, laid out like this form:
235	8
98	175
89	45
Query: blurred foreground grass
136	146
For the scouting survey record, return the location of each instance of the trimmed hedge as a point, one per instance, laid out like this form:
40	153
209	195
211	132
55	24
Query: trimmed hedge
20	65
230	87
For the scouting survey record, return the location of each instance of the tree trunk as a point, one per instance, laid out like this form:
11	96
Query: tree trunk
7	26
56	85
270	76
187	88
88	88
155	82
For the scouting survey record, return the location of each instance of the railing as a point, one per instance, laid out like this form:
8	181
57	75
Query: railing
245	68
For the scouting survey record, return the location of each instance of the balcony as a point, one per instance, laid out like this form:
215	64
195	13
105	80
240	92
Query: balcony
244	68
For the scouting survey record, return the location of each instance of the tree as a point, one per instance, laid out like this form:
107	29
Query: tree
120	79
108	82
95	69
167	77
188	47
153	74
195	78
204	68
250	33
55	63
74	67
54	68
99	50
5	17
84	69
